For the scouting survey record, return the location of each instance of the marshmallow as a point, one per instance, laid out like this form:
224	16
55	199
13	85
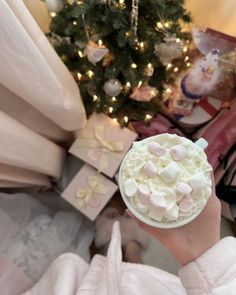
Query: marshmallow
198	181
150	169
183	188
155	215
143	193
158	202
186	204
156	149
173	213
130	188
202	143
170	172
141	207
178	152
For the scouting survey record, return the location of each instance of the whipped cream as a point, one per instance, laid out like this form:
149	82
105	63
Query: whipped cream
166	177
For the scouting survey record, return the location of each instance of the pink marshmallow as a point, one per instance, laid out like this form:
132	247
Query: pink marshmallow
150	169
143	193
156	149
178	152
186	204
183	188
158	202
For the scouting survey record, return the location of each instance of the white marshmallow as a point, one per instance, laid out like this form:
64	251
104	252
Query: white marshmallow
198	181
130	188
170	172
178	152
142	207
158	202
186	204
150	169
173	213
143	193
156	149
183	188
155	215
202	143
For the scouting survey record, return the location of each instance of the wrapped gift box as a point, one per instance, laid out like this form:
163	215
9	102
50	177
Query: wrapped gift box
102	143
89	191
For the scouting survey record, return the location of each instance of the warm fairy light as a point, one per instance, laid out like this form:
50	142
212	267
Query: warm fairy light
100	42
128	84
75	23
169	65
53	14
149	66
176	69
168	90
79	76
140	83
185	49
167	25
110	110
126	119
122	3
127	34
159	25
113	99
187	41
148	117
115	121
133	66
177	40
95	98
186	58
80	2
141	45
188	64
80	53
90	73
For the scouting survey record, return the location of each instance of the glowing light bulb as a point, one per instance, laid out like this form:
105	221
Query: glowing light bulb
159	25
115	121
177	40
110	110
140	83
113	99
100	42
95	98
186	58
80	53
185	49
167	25
176	69
168	90
90	73
141	45
79	76
126	119
127	34
75	23
53	14
188	64
128	84
169	65
133	66
149	66
148	117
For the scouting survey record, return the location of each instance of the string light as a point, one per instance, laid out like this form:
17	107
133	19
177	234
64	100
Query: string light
176	69
53	14
100	42
150	66
80	53
128	84
90	73
95	98
185	49
122	3
188	64
80	2
113	99
167	25
141	45
115	121
110	110
140	83
168	90
127	34
79	76
177	40
159	25
133	66
75	23
148	117
169	65
186	58
126	119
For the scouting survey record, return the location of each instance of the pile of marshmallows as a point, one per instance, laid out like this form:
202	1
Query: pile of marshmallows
176	198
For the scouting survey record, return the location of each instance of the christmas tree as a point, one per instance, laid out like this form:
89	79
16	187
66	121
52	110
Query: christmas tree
121	52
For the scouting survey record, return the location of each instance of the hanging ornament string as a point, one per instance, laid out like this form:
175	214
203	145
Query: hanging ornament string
134	16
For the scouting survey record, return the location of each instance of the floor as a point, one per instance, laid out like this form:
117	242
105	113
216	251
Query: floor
156	254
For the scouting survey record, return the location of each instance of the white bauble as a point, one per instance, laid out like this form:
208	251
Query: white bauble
112	87
55	5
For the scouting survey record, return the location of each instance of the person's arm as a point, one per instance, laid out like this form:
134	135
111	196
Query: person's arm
207	263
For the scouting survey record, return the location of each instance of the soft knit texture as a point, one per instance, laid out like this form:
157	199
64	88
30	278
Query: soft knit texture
212	273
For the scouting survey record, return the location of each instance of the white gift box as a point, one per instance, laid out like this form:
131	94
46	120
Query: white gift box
89	191
102	143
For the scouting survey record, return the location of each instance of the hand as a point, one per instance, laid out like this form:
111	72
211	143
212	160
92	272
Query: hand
190	241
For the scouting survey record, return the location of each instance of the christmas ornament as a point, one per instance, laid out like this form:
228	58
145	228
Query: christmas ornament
95	52
203	77
143	93
170	49
134	16
55	5
112	87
